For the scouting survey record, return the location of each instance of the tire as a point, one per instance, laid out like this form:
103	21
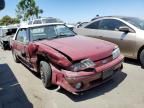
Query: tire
141	58
3	47
46	74
15	57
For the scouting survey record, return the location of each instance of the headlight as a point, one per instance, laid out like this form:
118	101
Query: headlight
116	53
84	64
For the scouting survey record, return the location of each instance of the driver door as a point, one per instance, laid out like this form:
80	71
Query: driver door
21	47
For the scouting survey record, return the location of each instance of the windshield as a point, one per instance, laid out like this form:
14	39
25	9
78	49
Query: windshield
51	20
50	32
139	23
7	32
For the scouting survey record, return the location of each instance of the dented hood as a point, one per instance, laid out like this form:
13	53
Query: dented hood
78	47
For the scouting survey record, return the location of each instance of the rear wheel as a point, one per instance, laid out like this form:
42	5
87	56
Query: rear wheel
46	73
141	57
15	57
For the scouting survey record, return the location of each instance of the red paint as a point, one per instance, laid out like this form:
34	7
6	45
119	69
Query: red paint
63	52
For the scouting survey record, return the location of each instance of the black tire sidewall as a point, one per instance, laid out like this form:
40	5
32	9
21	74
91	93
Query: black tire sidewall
142	58
47	73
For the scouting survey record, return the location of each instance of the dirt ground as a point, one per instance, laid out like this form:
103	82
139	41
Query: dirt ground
21	88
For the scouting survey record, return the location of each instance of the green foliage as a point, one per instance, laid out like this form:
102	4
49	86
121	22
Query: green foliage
7	20
27	9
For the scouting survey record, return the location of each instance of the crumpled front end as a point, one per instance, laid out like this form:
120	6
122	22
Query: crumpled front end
83	80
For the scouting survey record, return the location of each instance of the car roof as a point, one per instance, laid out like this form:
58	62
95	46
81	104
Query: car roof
120	17
38	25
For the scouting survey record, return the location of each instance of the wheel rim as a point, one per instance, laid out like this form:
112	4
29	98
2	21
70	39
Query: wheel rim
42	74
2	46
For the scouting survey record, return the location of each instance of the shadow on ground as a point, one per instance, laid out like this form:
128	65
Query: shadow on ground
95	92
11	93
99	90
132	61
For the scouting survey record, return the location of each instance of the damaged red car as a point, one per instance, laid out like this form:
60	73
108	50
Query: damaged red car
63	58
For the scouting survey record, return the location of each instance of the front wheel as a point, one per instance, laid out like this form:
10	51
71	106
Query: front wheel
142	58
46	73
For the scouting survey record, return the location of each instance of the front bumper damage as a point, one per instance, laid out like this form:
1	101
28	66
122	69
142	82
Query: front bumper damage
76	82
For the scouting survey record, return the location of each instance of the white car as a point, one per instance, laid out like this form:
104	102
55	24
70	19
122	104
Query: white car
49	20
45	20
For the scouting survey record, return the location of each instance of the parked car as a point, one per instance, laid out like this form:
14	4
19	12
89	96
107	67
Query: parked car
76	63
6	34
50	20
80	24
45	20
70	26
126	32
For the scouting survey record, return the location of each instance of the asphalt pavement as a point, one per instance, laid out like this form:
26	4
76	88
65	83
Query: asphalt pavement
21	88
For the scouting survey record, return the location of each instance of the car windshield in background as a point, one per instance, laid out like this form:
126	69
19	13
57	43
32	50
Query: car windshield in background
139	23
50	32
7	32
51	20
11	31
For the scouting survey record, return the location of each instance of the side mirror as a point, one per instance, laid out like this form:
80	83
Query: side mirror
2	4
125	29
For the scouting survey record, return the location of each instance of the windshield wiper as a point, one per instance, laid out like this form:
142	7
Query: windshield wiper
40	39
54	37
60	36
64	35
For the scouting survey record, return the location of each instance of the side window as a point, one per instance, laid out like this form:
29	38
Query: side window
110	24
22	36
93	25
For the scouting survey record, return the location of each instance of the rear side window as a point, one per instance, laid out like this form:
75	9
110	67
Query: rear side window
110	24
106	24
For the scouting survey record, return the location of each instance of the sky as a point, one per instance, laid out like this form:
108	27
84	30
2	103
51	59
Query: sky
73	11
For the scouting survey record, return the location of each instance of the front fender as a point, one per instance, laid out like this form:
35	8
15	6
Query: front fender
47	52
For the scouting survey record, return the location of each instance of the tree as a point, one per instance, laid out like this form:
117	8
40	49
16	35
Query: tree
7	20
27	9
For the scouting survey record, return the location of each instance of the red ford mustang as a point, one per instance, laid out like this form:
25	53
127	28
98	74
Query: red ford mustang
73	62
